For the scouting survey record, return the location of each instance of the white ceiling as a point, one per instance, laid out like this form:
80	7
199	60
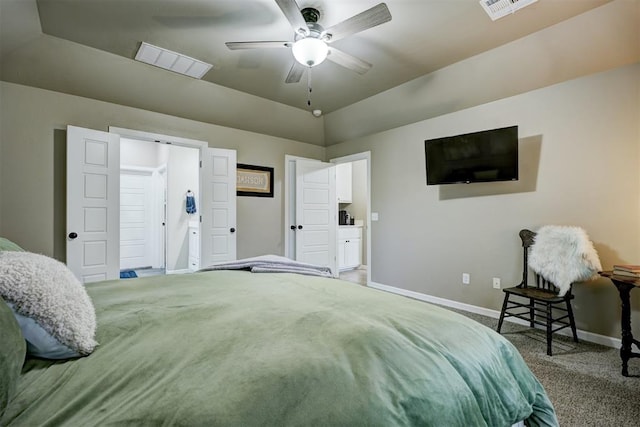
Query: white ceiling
423	36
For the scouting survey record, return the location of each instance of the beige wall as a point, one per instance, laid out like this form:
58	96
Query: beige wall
358	206
580	158
32	161
555	54
579	165
53	63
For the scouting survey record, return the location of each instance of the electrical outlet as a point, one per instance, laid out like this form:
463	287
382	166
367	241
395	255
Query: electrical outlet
496	283
465	278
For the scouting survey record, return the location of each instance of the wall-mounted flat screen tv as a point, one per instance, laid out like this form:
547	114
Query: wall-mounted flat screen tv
486	156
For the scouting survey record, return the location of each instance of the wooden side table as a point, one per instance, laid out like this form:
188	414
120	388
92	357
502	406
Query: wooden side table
625	284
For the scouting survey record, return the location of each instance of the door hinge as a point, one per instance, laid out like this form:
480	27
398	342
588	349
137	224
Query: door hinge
201	163
200	218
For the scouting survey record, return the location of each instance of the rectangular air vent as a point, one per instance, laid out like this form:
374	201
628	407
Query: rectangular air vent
172	61
499	8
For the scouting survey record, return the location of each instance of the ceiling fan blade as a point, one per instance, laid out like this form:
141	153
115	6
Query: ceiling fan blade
369	18
295	73
257	45
294	16
348	61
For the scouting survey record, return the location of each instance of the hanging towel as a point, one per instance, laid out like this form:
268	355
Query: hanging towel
191	203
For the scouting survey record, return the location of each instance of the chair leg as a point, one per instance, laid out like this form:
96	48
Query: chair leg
549	324
531	313
572	322
504	308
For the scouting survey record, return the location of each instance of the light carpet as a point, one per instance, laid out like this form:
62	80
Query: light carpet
583	380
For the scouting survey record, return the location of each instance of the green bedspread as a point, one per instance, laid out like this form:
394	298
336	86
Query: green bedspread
232	348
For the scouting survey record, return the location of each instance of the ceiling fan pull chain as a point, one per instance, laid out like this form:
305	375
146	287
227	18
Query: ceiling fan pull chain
309	87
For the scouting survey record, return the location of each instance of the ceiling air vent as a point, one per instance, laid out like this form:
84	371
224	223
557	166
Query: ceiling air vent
172	61
499	8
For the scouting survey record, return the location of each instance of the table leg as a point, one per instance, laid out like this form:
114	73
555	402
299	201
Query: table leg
625	324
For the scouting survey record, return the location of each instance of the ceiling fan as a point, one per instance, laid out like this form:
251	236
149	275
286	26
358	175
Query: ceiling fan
311	44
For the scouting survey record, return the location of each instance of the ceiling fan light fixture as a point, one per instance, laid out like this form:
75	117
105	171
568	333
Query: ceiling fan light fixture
310	51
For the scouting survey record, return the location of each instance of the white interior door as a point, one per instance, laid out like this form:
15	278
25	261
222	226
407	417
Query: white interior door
136	219
93	176
218	198
316	210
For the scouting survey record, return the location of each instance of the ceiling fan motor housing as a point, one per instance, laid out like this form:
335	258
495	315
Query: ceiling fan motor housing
310	14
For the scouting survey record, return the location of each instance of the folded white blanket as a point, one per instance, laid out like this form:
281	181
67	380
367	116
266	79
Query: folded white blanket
272	264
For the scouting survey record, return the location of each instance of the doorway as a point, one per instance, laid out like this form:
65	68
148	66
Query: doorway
93	202
362	275
155	179
352	210
354	205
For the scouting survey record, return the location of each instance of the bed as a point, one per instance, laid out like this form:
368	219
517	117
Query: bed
236	348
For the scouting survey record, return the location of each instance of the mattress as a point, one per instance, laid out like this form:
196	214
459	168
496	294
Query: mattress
227	348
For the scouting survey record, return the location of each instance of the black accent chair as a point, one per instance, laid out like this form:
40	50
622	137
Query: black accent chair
541	299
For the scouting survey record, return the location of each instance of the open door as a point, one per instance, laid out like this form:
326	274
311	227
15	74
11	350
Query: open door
218	219
93	192
315	212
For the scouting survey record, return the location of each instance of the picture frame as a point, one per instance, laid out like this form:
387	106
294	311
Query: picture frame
254	181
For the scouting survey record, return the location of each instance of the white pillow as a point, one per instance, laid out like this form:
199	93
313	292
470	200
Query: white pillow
53	309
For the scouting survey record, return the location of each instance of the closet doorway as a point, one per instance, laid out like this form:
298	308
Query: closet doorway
93	202
154	224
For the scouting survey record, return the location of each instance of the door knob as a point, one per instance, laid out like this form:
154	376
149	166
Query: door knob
233	230
293	227
73	235
299	227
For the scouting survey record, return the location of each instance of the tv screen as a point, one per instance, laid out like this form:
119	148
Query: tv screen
486	156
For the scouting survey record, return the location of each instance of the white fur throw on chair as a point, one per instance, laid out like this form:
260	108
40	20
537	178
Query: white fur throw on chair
563	255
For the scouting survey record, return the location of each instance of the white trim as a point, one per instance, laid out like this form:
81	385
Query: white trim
583	335
181	271
137	170
157	137
365	155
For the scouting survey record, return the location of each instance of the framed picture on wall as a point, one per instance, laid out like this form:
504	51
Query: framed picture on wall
255	181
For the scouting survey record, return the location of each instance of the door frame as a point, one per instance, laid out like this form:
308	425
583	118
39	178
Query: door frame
170	140
365	155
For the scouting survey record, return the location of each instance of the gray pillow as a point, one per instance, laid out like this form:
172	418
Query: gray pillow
52	299
41	343
12	353
8	245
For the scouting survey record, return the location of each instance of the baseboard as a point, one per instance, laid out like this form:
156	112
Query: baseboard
182	271
583	335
